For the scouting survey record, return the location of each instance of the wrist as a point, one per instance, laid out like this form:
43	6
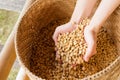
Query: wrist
78	21
82	10
94	27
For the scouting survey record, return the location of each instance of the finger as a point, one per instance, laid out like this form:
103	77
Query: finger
55	35
55	49
58	58
91	50
90	38
57	55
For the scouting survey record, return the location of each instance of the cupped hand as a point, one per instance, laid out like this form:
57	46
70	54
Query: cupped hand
90	36
68	27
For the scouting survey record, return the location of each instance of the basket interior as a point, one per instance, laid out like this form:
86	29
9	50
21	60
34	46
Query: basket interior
34	34
113	26
36	21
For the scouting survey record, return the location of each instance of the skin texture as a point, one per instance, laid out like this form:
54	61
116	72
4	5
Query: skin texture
83	10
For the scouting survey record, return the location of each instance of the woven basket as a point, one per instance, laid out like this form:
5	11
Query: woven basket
43	12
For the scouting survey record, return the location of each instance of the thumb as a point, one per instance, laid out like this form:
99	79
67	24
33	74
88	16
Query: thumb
91	50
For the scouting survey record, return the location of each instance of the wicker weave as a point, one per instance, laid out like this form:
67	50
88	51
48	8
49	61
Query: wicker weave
40	14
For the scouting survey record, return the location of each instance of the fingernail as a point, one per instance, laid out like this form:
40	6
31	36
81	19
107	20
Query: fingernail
55	48
57	55
86	58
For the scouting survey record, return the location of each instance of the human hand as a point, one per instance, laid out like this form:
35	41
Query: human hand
68	27
90	35
97	21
